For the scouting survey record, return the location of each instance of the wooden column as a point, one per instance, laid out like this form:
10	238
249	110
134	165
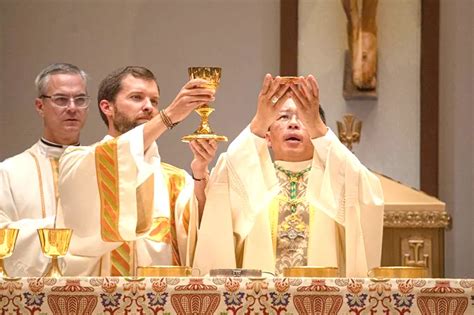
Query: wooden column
289	37
429	96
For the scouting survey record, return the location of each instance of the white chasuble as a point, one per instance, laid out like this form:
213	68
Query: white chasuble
125	206
345	210
28	188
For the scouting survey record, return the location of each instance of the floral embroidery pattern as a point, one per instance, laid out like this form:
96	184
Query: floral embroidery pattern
235	296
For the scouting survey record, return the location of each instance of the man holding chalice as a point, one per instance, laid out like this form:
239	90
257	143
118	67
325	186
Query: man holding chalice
288	194
134	210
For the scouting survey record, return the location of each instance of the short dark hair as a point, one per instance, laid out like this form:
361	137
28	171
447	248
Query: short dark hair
42	79
112	84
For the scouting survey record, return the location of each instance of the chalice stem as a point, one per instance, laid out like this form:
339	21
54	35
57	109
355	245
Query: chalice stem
3	272
53	270
204	112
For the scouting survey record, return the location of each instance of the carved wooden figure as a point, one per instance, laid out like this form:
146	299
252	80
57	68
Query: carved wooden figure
362	37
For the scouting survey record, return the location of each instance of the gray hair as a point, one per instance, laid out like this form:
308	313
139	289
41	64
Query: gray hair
43	77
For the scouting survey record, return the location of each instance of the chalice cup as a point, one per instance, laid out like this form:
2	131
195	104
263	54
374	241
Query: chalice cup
213	76
287	80
7	244
54	244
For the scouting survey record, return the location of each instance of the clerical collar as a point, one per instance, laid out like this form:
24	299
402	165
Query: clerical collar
294	166
56	145
51	149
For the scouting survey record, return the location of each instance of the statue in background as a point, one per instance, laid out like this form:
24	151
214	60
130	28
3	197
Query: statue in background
362	37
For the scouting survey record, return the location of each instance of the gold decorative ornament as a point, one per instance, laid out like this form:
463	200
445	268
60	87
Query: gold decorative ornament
349	132
417	219
416	257
204	131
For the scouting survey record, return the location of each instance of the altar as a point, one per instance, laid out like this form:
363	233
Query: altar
113	295
414	225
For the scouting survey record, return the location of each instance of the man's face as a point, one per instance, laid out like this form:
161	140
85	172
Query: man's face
288	137
135	104
63	124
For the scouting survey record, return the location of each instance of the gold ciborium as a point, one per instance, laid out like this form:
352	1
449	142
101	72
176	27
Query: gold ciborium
7	244
213	76
398	272
311	271
54	244
166	271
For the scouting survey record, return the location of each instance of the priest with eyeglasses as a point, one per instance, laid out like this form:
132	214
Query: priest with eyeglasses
29	180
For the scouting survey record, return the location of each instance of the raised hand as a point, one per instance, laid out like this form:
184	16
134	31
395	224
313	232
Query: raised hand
192	95
272	95
204	152
305	94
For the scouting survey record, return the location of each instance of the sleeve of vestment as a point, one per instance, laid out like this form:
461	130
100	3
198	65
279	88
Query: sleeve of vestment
349	193
99	188
242	182
27	258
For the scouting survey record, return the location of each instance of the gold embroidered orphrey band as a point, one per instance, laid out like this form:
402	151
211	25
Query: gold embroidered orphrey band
418	219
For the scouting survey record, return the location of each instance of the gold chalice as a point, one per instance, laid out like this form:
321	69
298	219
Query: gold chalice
204	131
54	244
398	272
7	244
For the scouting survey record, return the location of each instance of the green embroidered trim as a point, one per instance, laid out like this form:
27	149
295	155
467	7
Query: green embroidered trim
293	178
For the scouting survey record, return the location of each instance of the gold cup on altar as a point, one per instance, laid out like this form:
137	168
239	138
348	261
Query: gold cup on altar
398	272
7	244
213	76
165	271
311	272
54	244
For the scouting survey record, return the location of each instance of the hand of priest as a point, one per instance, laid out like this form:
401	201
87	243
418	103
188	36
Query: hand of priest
204	152
192	95
305	94
272	95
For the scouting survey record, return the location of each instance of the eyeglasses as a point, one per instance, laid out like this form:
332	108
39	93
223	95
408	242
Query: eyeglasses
81	101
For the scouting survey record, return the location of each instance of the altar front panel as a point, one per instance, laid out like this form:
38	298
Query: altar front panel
235	296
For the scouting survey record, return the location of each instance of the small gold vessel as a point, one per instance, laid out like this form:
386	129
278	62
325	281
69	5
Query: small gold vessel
54	244
398	272
311	271
165	271
7	244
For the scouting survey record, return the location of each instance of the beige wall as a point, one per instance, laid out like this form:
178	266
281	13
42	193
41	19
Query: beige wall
242	36
456	147
390	134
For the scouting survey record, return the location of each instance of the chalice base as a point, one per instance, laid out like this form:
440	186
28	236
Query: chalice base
53	269
204	130
211	136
